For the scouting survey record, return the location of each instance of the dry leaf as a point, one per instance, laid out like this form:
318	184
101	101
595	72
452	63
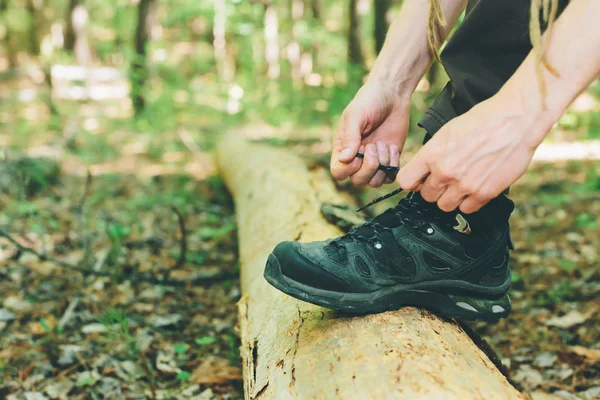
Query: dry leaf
591	355
215	370
568	320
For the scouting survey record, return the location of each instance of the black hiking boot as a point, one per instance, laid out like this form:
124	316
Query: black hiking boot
411	255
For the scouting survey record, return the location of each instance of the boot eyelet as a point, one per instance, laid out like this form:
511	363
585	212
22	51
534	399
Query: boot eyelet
378	246
430	231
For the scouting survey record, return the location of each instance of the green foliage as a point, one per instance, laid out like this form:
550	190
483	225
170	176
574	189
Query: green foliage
180	348
205	340
568	266
560	292
117	234
16	19
234	348
586	220
117	327
515	277
208	232
183	375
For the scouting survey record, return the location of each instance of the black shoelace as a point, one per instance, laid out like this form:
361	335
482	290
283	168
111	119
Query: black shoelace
391	173
413	212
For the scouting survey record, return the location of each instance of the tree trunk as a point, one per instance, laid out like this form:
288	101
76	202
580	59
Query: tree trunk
382	8
139	66
70	38
271	31
316	7
355	54
294	51
34	44
11	53
294	350
356	59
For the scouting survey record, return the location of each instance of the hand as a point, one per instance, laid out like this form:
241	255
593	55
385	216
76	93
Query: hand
475	157
376	124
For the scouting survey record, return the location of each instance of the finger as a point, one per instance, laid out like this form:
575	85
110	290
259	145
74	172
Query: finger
369	166
415	172
432	188
341	171
451	199
471	204
351	135
383	152
335	152
394	161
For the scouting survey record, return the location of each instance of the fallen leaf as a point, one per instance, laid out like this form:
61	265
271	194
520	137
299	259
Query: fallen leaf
215	370
6	315
591	355
591	393
568	320
528	377
545	360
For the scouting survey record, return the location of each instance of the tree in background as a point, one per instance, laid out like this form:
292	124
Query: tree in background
356	58
316	7
139	65
70	34
381	26
33	7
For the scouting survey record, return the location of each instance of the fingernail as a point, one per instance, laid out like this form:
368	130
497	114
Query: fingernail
346	153
394	150
372	149
382	148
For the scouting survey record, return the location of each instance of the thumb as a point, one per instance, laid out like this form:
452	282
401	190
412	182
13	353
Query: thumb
412	174
351	134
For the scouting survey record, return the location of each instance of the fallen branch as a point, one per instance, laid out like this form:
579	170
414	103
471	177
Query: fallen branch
183	239
138	276
294	350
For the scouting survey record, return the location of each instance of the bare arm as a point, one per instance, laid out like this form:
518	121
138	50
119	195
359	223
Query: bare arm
376	121
476	156
574	51
405	56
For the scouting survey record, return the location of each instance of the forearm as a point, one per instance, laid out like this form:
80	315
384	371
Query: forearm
574	51
405	56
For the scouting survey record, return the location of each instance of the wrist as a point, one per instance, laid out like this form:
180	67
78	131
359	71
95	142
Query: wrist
526	104
401	74
399	89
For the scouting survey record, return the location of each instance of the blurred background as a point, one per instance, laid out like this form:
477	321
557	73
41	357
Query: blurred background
118	249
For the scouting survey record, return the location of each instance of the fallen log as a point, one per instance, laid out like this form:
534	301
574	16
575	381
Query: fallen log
294	350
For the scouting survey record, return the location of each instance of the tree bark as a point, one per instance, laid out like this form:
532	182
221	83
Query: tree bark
316	7
382	8
139	66
294	350
355	54
34	44
70	37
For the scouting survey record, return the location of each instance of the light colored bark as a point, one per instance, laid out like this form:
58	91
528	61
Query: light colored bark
294	350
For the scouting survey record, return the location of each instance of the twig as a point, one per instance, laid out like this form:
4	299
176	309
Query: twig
144	277
101	260
146	367
80	210
183	239
68	313
41	256
86	191
188	141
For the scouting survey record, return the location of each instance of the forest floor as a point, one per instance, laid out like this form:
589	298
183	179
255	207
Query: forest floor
140	322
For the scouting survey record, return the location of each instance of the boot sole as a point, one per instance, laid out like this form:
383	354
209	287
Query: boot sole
442	304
